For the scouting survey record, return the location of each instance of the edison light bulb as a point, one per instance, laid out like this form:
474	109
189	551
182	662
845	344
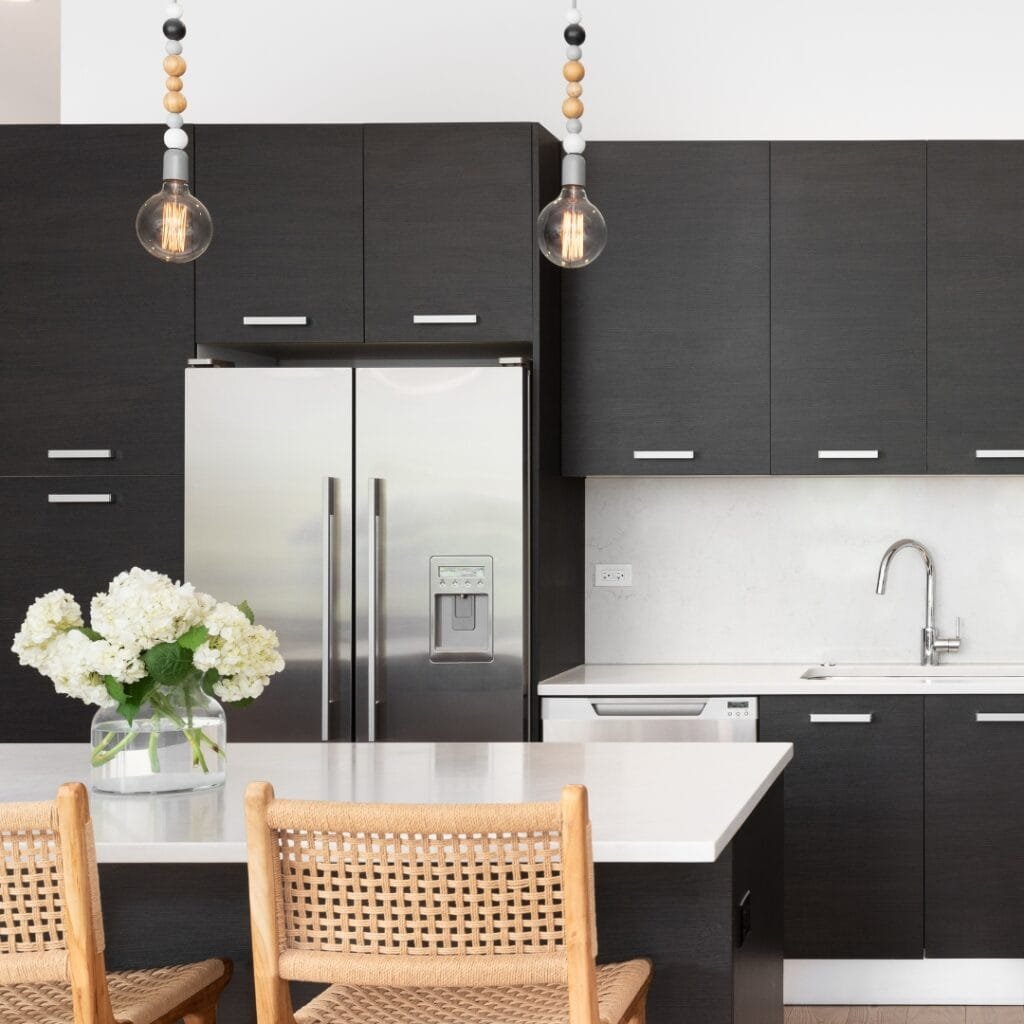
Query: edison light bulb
173	225
571	231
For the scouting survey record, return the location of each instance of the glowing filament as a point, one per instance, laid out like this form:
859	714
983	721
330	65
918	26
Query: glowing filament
572	235
174	227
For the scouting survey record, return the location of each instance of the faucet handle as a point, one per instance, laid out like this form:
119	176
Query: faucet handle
949	644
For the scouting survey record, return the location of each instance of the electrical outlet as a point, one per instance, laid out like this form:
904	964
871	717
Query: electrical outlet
613	575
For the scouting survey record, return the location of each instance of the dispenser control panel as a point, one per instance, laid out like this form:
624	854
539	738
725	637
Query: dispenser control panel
461	608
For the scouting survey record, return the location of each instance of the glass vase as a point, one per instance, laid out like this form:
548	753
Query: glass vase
174	744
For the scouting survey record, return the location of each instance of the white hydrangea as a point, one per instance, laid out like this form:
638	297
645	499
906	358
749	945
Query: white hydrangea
107	659
47	617
245	655
142	608
68	663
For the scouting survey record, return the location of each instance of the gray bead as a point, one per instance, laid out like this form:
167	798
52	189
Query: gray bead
173	47
574	53
574	125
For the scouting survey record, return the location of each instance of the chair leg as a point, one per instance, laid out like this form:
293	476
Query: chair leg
640	1016
206	1015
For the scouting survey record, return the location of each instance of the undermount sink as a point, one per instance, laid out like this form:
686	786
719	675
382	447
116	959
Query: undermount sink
915	672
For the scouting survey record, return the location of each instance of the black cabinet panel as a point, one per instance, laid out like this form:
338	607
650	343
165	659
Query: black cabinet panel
78	548
94	333
975	305
974	832
665	337
848	306
449	215
854	825
287	208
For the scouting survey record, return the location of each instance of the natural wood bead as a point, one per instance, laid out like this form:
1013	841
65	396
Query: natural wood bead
573	71
572	107
574	89
175	65
175	102
174	84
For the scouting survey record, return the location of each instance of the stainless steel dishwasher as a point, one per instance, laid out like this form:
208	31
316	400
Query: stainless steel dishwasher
654	719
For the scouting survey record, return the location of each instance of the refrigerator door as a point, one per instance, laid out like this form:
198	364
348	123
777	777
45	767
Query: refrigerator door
440	484
268	499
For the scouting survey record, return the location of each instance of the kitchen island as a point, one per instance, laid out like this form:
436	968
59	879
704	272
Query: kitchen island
687	845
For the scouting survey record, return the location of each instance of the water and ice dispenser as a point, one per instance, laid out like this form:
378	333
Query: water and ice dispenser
461	608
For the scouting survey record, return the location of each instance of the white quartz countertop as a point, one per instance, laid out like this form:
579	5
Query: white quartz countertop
657	802
594	680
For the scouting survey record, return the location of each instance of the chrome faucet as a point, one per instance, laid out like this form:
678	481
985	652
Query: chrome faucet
932	646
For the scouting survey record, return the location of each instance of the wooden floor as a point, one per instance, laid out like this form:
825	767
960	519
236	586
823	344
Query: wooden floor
905	1015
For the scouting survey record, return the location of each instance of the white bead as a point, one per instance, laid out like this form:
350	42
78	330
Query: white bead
173	47
574	125
574	53
174	10
573	16
176	138
175	121
574	144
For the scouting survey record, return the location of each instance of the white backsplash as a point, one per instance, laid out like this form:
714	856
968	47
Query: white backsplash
783	569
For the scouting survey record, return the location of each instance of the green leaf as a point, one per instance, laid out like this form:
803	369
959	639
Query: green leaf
247	612
90	633
194	638
210	676
140	690
243	703
168	663
115	689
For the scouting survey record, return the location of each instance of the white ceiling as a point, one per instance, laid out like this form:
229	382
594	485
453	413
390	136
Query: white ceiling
30	61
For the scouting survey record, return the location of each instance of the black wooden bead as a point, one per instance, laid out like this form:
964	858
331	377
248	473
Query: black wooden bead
574	35
174	29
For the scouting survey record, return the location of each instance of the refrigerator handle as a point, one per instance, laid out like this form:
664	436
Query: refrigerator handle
372	617
327	608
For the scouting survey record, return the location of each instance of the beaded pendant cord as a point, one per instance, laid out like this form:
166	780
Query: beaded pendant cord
173	225
571	231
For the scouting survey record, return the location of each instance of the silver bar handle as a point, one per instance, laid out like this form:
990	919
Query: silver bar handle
80	499
648	709
79	453
688	454
275	321
848	453
999	453
444	318
842	719
999	716
327	607
373	610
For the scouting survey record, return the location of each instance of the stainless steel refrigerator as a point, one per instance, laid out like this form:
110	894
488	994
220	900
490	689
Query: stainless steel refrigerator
377	519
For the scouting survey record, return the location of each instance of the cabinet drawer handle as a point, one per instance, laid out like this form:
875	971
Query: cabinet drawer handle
999	716
79	453
664	455
851	453
444	318
999	453
79	499
275	321
842	719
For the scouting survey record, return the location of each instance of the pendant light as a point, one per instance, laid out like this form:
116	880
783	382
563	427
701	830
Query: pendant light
173	225
570	230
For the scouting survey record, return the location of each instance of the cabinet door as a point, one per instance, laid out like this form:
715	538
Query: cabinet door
78	547
975	307
287	209
854	824
848	307
450	216
665	337
94	333
974	791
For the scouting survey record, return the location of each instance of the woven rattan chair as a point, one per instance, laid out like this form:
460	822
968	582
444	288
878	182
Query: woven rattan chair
51	932
431	914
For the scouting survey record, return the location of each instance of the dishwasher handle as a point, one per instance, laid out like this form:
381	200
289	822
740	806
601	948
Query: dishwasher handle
648	709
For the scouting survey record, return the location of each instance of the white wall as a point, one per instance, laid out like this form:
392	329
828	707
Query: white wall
30	62
656	69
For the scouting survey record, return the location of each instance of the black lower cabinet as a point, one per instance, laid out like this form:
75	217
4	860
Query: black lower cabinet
78	546
854	872
974	826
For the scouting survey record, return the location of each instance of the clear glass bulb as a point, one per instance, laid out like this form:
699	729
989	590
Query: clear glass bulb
173	225
570	230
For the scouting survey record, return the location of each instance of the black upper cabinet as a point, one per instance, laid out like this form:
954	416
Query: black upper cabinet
853	824
975	307
974	791
94	333
449	221
848	307
287	209
666	336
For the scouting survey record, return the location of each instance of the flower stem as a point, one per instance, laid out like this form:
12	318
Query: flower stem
102	756
154	753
